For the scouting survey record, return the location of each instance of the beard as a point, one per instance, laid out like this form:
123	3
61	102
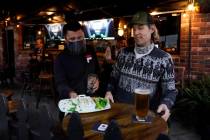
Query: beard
76	48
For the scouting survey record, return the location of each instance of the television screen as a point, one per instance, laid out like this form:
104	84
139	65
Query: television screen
101	29
55	31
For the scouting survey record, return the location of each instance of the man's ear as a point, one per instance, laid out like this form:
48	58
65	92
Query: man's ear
153	28
66	41
154	33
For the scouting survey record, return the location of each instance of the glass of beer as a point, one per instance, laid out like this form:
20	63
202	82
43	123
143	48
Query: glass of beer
141	103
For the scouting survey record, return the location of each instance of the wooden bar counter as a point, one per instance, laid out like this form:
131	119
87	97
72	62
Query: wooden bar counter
122	114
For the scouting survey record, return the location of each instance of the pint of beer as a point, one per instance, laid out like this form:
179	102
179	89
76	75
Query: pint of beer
141	102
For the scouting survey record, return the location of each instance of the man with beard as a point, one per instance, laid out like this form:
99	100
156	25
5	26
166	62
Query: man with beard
73	66
145	35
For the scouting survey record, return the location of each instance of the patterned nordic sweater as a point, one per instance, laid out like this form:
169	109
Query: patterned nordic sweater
153	71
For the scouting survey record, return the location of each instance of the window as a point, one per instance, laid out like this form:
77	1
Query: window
169	30
29	37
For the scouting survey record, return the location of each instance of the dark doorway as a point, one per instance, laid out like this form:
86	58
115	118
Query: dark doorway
8	53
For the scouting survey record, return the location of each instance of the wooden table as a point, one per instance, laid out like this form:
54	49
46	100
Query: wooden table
122	114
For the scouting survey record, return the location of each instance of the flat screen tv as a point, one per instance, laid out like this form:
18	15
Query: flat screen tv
54	31
99	29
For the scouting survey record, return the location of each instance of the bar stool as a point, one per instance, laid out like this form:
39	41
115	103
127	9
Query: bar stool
27	84
45	86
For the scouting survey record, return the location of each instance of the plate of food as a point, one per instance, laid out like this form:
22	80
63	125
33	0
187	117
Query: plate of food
84	104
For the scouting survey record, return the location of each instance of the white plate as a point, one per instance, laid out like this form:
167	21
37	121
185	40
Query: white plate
82	104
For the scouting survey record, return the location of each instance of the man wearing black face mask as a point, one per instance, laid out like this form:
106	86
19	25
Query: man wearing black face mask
77	47
75	64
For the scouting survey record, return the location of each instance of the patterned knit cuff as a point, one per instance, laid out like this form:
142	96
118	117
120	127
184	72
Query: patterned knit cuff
169	103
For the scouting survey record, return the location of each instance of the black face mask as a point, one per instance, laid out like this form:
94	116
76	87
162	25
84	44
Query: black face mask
77	47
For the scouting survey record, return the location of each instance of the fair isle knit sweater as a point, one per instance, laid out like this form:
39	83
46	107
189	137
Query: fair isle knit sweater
153	71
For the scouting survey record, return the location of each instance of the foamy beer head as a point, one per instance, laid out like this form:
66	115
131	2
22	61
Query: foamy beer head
142	102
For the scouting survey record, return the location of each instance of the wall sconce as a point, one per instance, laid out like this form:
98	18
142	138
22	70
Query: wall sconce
49	19
191	7
184	15
122	27
120	32
39	32
18	17
125	26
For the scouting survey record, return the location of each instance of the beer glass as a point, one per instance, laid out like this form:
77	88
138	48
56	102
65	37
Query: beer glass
141	103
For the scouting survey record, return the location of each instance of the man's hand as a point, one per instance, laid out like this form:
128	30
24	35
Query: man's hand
109	96
164	108
95	85
72	94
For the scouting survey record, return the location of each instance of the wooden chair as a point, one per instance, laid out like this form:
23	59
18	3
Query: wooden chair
179	76
45	87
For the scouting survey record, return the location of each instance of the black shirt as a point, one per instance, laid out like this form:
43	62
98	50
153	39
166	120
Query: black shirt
71	71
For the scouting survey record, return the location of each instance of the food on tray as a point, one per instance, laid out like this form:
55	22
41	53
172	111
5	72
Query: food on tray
100	102
84	104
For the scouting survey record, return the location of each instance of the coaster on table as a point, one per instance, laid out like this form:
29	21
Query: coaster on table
100	127
147	119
